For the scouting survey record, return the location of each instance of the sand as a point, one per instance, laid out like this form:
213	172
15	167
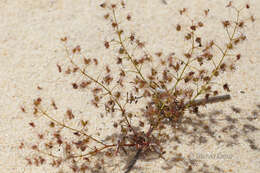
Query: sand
30	49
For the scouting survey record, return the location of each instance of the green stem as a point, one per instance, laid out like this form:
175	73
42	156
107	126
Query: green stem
127	53
224	53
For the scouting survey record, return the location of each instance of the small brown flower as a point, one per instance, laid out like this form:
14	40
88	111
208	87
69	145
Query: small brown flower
178	27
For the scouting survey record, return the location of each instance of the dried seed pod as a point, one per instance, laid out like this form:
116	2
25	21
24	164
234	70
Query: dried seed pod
178	27
69	114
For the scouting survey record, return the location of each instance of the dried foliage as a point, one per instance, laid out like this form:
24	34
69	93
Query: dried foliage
166	90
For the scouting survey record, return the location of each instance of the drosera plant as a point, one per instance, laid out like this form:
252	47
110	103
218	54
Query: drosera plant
150	99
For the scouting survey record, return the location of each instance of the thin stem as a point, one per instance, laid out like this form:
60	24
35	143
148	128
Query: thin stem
94	152
103	86
49	154
127	53
221	60
68	127
184	68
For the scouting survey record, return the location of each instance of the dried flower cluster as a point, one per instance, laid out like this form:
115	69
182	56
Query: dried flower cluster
165	89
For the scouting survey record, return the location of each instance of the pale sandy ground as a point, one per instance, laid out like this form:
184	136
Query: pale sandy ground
30	48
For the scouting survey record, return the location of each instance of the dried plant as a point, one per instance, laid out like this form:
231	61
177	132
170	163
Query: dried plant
151	100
